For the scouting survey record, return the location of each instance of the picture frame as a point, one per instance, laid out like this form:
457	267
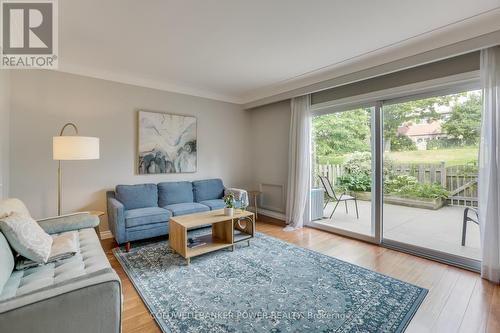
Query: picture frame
167	143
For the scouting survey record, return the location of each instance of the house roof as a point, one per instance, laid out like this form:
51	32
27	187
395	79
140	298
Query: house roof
433	128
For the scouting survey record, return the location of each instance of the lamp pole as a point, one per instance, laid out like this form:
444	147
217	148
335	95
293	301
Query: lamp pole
59	170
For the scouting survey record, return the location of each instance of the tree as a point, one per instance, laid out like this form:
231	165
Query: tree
337	134
402	143
396	115
464	123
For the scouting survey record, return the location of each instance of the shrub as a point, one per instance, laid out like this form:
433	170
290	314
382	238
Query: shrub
358	168
357	177
357	182
358	163
402	185
408	186
396	183
330	159
388	167
443	143
362	163
402	143
430	191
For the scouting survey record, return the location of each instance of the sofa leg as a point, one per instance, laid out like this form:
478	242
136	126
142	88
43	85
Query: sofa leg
127	247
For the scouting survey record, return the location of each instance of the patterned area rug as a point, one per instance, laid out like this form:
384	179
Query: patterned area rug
269	286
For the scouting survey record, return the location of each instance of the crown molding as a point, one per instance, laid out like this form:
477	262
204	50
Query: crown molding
146	83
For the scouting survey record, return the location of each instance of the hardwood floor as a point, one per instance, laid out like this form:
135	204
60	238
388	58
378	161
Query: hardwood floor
458	300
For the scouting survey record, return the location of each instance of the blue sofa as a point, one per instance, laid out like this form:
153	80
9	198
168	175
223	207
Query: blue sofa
142	211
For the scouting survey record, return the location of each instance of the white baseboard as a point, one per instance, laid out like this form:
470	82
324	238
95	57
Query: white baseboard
270	213
106	234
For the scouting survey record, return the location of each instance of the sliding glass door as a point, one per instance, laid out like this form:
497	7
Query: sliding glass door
342	171
430	174
402	172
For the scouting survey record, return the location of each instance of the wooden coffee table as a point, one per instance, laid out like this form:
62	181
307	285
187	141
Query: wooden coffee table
226	231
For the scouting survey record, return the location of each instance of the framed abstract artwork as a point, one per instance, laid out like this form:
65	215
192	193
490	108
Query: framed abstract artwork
167	143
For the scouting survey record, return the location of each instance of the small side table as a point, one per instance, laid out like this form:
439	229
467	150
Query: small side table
97	213
255	196
244	231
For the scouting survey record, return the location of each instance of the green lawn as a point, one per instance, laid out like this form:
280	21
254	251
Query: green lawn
454	156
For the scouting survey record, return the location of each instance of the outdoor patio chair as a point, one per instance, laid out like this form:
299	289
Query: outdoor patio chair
467	218
332	196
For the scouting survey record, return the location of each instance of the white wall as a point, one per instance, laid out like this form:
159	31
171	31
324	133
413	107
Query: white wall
270	126
4	132
43	101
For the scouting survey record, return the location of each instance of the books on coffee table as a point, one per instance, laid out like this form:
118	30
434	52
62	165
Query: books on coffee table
193	242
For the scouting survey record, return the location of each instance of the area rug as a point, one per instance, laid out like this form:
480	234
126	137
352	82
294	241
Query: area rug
269	286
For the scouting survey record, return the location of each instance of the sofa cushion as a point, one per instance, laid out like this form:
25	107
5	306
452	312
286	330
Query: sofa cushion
6	261
186	208
142	216
170	193
137	196
88	260
147	231
26	237
208	189
214	204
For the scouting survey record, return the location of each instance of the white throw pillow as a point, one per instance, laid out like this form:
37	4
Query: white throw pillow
26	237
12	205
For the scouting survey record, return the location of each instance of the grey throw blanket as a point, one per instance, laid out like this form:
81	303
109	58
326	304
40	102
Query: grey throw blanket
64	246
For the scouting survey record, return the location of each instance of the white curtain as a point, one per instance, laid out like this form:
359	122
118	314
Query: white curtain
489	165
299	162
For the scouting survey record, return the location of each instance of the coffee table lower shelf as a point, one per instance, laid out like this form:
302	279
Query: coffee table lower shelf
223	233
212	244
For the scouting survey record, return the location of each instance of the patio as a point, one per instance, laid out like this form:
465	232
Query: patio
434	229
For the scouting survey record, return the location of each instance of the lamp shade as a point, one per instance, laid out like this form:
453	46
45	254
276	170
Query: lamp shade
75	148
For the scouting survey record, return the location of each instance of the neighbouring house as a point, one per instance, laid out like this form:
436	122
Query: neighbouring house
422	133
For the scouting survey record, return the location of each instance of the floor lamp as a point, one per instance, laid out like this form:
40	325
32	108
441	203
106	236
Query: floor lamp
71	148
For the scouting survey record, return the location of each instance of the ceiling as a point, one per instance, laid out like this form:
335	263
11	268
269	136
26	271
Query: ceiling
236	50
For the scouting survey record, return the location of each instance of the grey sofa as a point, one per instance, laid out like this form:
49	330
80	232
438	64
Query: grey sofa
79	294
142	211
